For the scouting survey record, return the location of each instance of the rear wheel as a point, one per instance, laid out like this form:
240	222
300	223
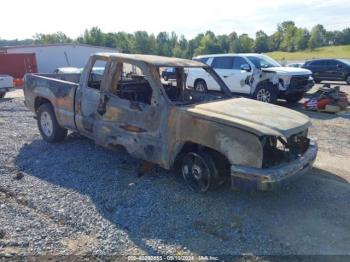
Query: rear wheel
2	94
266	92
199	171
200	86
49	128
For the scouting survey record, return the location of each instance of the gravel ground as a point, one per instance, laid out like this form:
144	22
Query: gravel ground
78	198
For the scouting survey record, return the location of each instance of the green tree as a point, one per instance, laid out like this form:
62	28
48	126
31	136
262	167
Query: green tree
261	42
346	36
163	46
142	43
317	37
301	38
246	44
224	43
123	42
54	38
288	30
208	44
234	46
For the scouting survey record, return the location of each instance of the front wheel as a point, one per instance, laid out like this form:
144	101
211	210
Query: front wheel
199	171
2	94
266	92
348	80
49	128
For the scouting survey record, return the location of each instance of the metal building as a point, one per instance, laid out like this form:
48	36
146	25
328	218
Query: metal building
50	57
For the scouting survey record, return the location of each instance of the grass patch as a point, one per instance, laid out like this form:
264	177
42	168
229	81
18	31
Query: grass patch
342	51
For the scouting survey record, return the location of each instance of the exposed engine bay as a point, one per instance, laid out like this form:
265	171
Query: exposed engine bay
278	150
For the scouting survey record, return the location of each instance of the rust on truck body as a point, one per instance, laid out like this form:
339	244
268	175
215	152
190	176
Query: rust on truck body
236	128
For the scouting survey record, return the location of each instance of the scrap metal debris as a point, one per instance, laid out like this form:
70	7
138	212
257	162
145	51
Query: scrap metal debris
328	99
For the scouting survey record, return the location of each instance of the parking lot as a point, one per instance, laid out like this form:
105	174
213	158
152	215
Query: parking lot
78	198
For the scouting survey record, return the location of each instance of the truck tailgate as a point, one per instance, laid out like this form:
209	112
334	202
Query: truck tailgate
60	93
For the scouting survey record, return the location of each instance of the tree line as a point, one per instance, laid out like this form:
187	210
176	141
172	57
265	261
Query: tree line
288	37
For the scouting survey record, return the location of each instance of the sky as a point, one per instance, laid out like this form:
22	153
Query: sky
22	19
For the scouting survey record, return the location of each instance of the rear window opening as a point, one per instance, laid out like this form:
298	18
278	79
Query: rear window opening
129	83
175	86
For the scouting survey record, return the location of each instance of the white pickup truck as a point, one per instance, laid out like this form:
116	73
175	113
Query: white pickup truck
6	82
255	75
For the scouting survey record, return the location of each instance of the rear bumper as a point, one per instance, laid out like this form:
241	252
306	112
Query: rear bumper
4	89
270	178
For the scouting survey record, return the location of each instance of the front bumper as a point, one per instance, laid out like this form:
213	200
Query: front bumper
299	89
266	179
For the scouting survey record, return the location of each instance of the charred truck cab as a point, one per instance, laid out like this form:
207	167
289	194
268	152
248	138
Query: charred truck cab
207	136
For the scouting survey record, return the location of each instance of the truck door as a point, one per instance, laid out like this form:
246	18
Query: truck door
88	95
129	112
223	66
242	73
231	72
331	71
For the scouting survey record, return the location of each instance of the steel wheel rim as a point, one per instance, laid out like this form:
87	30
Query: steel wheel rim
200	87
263	95
46	123
196	172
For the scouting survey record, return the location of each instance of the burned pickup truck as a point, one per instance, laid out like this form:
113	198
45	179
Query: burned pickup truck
206	136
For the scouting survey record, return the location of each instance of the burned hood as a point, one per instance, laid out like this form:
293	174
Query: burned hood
253	116
287	71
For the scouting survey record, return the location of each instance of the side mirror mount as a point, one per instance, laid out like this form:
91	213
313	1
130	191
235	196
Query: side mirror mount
246	67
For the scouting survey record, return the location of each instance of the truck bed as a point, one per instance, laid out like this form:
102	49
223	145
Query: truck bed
57	89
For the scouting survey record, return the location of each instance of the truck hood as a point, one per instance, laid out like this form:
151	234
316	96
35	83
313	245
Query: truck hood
290	71
253	116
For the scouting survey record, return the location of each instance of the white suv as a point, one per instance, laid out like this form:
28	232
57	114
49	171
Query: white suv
255	75
6	83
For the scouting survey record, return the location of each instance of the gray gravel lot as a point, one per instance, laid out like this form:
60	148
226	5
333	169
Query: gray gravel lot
78	198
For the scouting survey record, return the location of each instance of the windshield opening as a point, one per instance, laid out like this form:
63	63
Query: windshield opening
263	61
179	88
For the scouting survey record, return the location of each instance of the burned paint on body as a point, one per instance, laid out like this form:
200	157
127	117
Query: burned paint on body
158	131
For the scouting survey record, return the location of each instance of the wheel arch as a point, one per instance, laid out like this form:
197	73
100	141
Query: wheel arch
199	79
39	100
219	158
265	82
268	84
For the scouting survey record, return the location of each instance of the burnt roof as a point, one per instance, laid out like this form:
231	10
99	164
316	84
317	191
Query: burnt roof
159	61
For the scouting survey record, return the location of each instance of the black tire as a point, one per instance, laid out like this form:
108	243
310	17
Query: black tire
266	92
200	86
2	94
347	79
48	126
294	98
199	171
